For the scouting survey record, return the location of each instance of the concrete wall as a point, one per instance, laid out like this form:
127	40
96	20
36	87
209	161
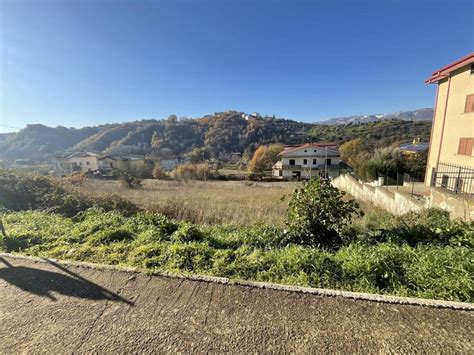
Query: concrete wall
393	201
460	206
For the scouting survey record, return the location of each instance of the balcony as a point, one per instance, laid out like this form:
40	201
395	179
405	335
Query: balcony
309	167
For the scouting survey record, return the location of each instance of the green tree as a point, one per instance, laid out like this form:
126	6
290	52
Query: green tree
317	215
388	161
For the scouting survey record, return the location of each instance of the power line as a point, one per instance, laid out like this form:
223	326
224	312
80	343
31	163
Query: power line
2	125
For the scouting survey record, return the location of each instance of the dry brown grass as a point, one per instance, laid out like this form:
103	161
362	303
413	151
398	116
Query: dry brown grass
207	202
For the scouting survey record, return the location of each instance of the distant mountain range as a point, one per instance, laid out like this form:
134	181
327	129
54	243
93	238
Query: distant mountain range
211	135
424	114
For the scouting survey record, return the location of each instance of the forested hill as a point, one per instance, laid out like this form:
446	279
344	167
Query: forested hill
212	134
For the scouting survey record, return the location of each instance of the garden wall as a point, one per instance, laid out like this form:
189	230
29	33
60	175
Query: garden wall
459	205
399	203
393	201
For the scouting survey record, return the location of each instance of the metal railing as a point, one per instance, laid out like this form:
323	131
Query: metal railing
402	179
456	178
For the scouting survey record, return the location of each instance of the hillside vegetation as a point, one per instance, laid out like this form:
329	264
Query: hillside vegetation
211	135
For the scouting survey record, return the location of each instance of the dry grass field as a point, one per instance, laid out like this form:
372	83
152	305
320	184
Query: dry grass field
207	202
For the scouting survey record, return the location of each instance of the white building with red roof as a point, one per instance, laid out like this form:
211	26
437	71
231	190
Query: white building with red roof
306	161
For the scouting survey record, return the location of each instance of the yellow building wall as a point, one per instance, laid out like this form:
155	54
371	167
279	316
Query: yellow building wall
457	123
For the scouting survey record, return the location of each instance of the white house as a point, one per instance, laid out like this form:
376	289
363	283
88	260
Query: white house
86	161
306	161
75	162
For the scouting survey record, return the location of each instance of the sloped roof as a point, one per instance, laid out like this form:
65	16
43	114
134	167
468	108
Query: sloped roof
421	147
292	149
120	157
444	72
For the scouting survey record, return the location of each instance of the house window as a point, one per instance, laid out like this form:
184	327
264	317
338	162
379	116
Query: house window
314	161
292	161
328	161
88	163
111	164
305	161
472	69
469	107
465	146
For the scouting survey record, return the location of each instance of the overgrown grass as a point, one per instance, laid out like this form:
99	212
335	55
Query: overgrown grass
428	256
205	202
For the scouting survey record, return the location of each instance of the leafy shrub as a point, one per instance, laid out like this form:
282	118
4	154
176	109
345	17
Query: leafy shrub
21	191
317	215
158	172
192	171
428	226
130	178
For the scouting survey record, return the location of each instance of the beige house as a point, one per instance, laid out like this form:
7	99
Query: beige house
121	162
75	162
450	158
306	161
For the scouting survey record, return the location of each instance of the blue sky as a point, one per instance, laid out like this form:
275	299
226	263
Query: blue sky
84	62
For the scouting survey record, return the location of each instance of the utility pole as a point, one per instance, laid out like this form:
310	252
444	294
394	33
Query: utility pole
326	162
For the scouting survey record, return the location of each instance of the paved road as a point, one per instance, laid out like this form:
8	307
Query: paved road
49	308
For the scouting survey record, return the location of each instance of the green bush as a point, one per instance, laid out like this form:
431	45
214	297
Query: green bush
317	215
23	191
428	226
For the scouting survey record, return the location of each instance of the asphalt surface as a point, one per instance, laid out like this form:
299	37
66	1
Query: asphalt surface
50	308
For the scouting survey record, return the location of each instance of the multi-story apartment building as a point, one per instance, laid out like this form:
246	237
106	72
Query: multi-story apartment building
451	155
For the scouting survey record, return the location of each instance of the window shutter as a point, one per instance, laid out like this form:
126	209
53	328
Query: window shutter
469	145
462	146
469	103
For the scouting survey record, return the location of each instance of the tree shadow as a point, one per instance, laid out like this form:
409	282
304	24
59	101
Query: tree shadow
43	283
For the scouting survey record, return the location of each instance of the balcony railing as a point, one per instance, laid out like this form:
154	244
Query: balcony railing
456	178
309	167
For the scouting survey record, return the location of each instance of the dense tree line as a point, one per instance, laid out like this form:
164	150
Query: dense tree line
213	135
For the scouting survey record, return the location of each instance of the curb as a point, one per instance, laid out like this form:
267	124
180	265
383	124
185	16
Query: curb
359	296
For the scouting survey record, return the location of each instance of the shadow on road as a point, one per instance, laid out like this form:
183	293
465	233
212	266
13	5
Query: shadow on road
43	283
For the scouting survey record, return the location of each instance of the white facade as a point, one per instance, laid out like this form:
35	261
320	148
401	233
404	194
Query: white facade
76	162
86	162
307	161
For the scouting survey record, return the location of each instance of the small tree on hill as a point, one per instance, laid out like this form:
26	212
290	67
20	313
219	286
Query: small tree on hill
317	215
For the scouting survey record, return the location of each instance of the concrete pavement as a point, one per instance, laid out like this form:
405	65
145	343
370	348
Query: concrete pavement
52	308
